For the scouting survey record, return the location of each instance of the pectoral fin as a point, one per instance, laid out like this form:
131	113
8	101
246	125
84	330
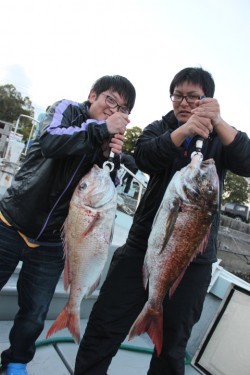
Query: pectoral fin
171	220
90	227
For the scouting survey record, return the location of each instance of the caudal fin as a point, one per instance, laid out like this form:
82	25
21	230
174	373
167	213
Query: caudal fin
149	321
66	319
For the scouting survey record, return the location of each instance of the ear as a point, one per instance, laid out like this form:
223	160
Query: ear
92	96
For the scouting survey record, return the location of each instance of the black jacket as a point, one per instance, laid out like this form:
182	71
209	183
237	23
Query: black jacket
156	155
70	143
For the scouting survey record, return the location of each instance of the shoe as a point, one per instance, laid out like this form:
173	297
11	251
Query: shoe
16	369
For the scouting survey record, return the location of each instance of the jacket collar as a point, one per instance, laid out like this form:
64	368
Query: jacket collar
170	120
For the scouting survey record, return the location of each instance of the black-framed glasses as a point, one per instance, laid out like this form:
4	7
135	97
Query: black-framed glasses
177	98
112	103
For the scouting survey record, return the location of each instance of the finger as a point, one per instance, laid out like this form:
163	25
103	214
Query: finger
115	141
119	136
116	150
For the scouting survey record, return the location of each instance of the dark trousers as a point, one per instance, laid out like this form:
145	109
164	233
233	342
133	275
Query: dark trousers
120	301
40	272
127	181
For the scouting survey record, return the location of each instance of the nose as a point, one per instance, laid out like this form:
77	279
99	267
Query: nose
184	103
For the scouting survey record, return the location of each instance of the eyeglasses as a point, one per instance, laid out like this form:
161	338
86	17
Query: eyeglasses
112	103
177	98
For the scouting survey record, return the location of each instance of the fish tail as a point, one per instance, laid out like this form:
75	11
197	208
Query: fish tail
150	321
66	319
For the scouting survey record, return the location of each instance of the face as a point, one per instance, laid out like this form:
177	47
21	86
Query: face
182	110
101	109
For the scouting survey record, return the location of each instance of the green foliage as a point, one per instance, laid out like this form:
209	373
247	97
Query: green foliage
12	105
130	139
235	189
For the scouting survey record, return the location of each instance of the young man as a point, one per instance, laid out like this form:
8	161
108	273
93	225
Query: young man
164	147
74	137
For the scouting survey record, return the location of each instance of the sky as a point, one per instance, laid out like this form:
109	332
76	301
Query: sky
53	50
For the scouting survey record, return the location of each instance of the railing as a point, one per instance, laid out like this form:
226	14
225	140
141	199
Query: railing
141	183
31	131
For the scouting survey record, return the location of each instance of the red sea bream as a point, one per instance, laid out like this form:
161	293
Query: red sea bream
87	234
179	232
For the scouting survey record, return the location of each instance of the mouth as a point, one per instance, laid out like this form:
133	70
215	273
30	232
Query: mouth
107	115
184	113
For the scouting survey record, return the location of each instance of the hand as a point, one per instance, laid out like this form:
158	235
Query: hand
197	125
209	108
117	122
116	143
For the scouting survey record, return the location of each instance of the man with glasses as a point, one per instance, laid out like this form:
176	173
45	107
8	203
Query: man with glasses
73	137
164	147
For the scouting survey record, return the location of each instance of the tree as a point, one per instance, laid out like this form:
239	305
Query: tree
12	105
131	136
235	189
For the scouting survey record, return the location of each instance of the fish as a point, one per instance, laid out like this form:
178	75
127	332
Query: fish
179	232
86	233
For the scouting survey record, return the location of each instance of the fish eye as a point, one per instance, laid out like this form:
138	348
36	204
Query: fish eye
83	186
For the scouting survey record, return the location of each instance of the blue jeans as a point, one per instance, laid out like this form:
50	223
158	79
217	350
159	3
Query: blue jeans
38	277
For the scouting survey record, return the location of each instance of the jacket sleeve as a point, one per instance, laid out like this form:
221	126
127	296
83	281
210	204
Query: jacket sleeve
237	155
155	150
66	131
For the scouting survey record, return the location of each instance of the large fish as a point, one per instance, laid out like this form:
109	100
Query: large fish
87	235
179	232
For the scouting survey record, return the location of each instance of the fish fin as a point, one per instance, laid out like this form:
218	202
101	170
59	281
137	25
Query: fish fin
202	246
66	273
93	287
112	230
149	321
66	319
175	284
91	226
172	217
145	273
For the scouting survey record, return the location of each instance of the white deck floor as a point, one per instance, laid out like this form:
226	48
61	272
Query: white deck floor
59	358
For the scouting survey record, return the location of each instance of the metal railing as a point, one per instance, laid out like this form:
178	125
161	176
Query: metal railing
31	131
141	183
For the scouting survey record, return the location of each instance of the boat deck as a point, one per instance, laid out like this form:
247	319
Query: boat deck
57	355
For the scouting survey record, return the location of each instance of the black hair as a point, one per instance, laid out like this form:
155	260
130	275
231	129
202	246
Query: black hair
119	84
196	76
